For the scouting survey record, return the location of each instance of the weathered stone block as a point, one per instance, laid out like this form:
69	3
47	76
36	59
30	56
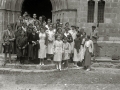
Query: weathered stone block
108	10
115	0
114	5
108	5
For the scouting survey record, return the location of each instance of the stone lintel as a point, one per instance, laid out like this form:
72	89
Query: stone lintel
65	10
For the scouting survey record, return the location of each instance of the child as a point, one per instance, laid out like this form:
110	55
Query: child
88	51
66	53
77	49
58	50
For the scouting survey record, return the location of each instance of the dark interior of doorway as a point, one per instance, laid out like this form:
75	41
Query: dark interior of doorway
40	7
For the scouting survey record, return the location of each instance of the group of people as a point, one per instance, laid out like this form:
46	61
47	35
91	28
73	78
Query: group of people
35	39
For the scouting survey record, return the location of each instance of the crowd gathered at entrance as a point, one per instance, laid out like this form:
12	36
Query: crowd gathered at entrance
39	40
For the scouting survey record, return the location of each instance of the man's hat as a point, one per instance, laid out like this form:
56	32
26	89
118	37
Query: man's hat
93	26
67	28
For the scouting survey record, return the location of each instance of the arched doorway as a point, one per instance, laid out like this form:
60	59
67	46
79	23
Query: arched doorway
40	7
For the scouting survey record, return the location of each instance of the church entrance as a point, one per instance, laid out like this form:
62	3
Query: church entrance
39	7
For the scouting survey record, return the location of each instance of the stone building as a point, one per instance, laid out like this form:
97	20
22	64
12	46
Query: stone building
82	13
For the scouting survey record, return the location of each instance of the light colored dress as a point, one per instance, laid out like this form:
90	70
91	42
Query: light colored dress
73	33
51	39
58	49
88	50
42	50
66	48
77	57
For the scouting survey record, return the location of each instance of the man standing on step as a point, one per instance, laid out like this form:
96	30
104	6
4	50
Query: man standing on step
94	38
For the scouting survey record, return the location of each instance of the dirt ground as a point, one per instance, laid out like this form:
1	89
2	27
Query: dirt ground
97	79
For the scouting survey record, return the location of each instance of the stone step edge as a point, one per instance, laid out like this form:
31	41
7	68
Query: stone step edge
9	70
33	71
98	60
30	65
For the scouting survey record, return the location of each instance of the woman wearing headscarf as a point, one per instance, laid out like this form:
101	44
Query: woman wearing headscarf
33	39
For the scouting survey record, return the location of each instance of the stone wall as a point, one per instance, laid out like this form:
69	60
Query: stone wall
75	12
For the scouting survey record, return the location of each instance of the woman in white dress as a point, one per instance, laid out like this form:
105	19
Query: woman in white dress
42	42
50	41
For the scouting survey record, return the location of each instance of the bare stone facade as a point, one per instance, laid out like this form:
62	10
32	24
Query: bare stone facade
75	12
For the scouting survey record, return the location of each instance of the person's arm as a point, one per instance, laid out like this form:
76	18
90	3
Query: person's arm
84	48
30	38
54	47
46	40
3	37
92	47
26	43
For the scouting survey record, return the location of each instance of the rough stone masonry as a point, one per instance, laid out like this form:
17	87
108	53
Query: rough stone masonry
75	12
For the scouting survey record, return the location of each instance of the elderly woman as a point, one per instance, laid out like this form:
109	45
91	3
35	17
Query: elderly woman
33	39
8	42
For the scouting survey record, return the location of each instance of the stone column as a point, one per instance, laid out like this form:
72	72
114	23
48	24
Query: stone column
96	12
2	19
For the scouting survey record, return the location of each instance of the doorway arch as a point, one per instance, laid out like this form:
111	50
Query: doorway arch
39	7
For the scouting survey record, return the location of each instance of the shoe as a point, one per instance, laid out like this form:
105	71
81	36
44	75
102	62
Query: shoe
60	69
43	64
88	70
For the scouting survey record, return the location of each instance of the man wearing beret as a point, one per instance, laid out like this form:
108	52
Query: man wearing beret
94	37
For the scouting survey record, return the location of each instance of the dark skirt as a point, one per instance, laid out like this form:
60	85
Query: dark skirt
9	48
87	60
32	52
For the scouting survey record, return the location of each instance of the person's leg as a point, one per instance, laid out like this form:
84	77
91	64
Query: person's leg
20	60
66	63
10	57
88	68
95	51
42	61
5	55
59	65
51	57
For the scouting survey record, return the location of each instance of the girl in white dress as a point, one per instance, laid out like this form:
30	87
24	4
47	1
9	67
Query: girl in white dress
66	53
42	42
58	50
